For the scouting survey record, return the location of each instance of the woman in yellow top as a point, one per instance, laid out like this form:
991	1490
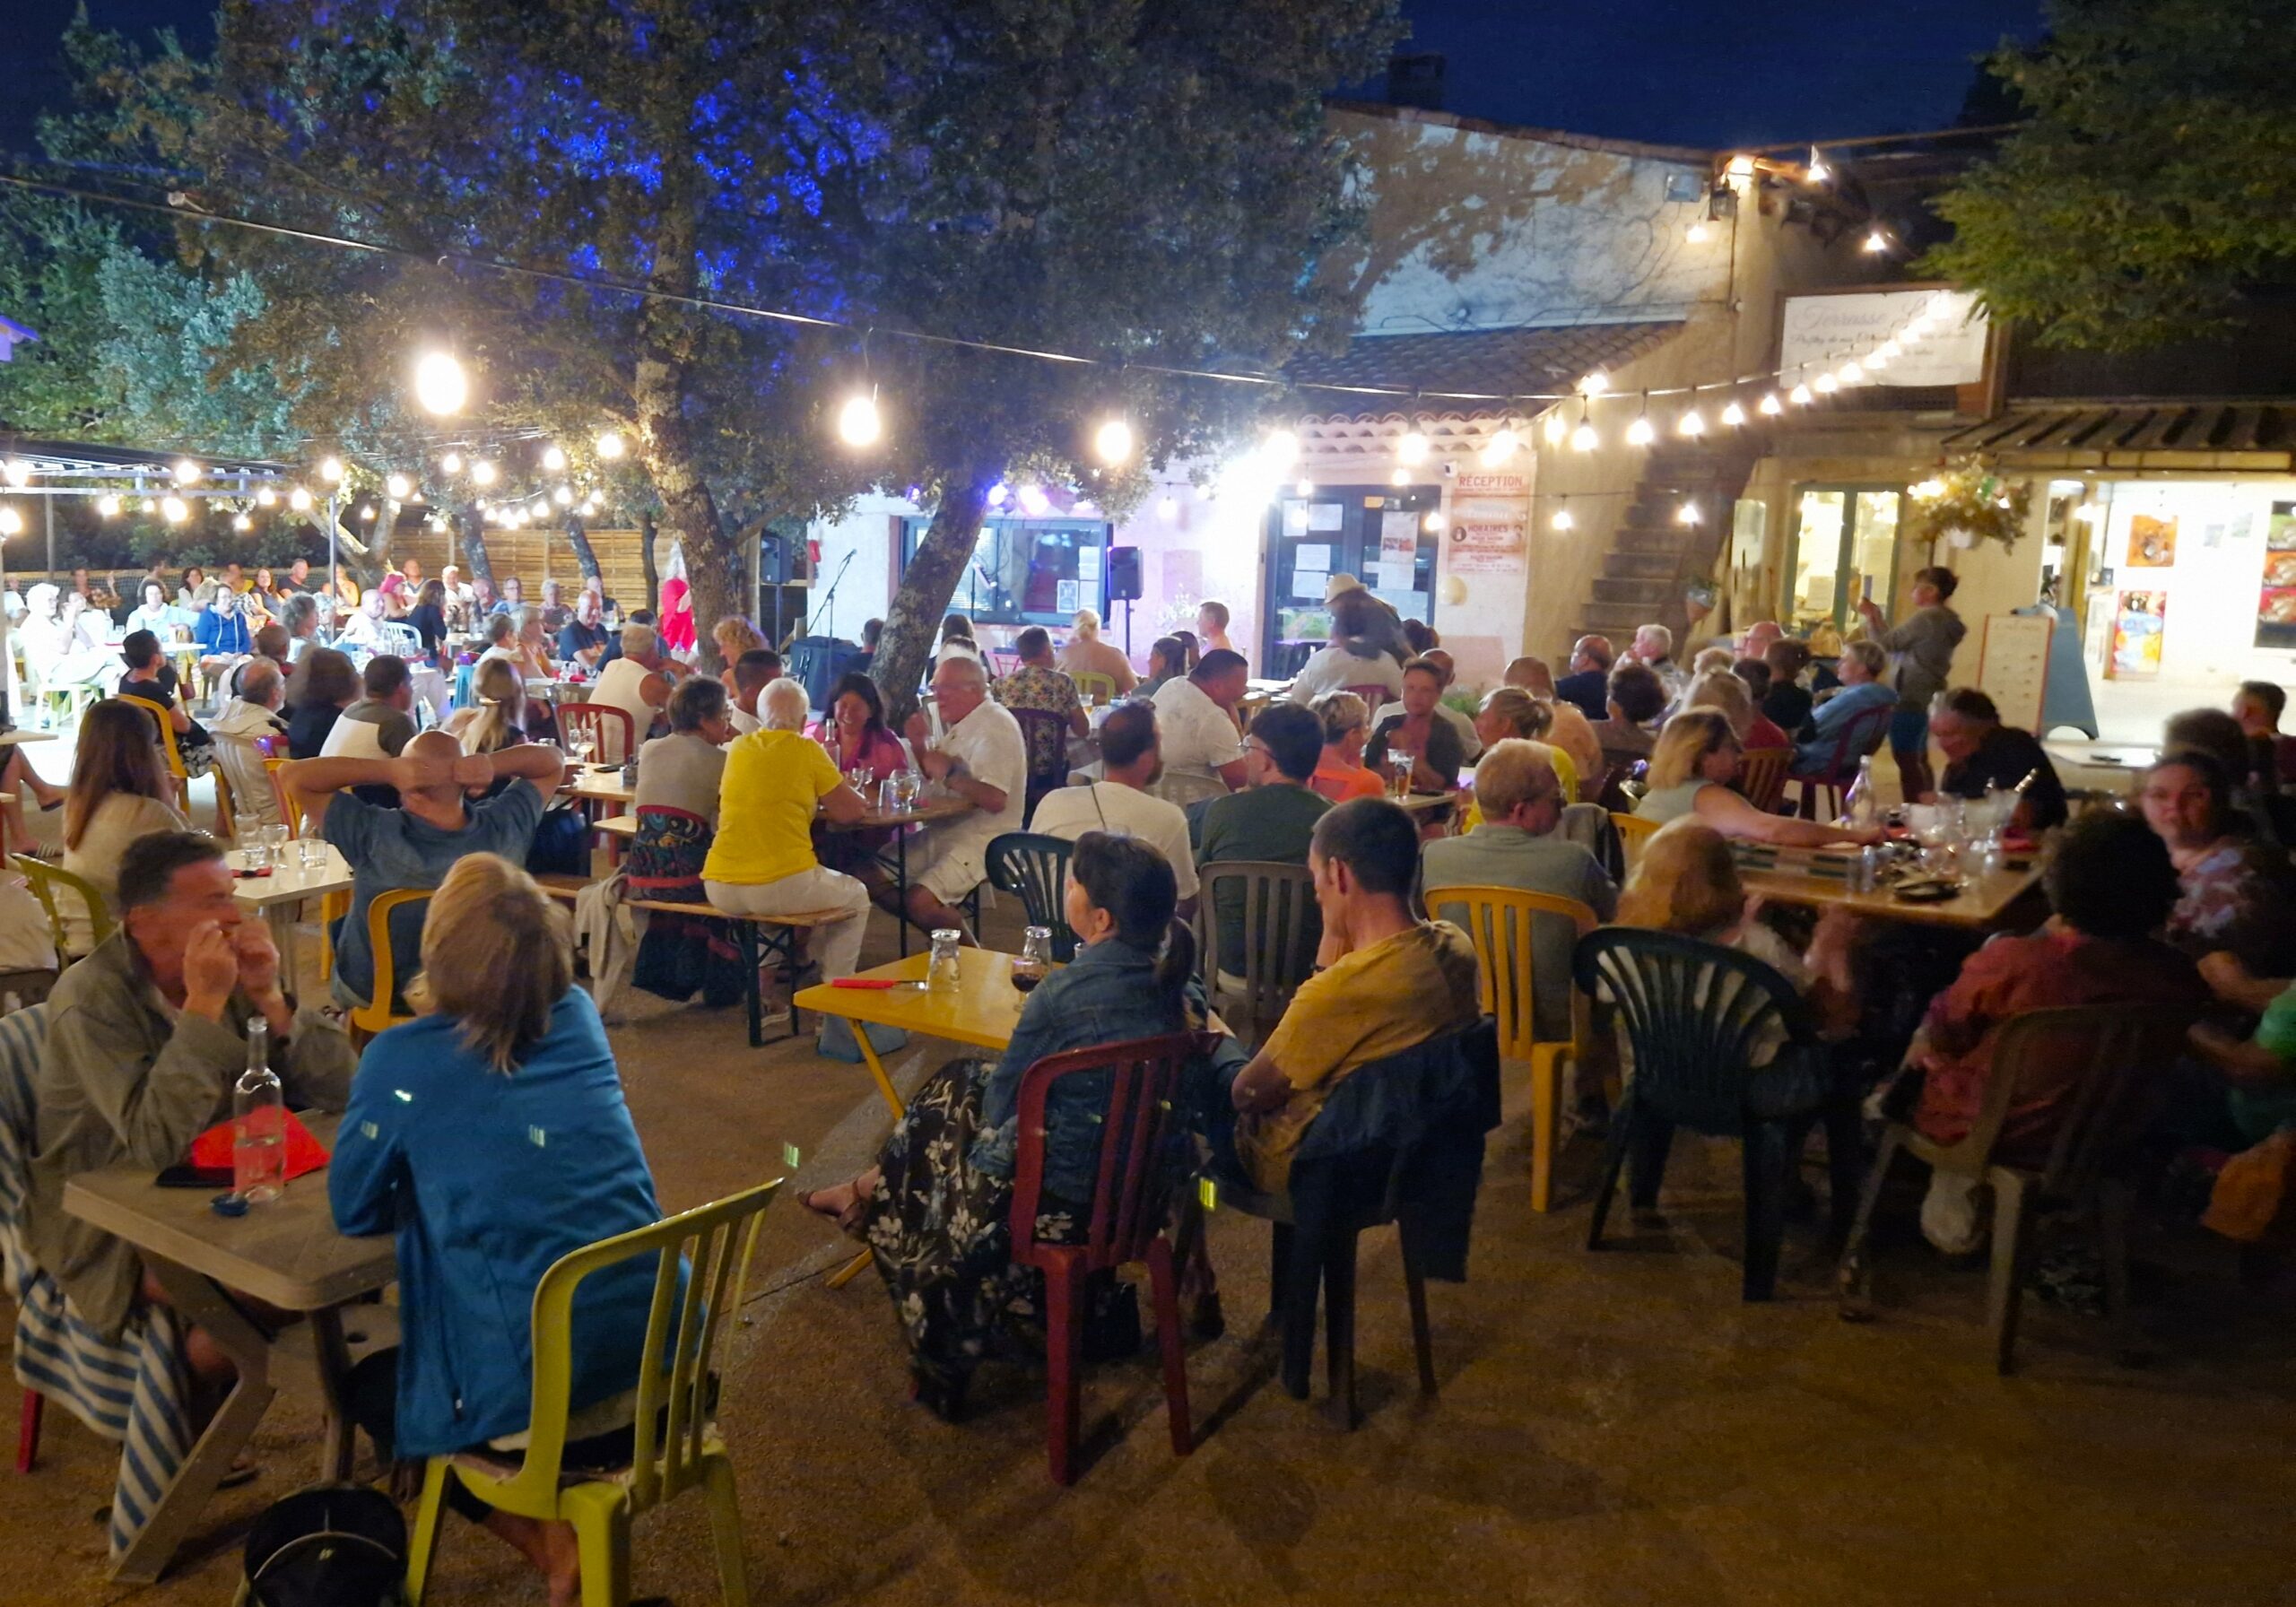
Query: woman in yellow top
762	860
1508	712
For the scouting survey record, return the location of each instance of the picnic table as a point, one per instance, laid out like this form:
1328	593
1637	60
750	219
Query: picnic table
923	812
286	1254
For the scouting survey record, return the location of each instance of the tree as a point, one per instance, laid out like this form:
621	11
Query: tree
2157	175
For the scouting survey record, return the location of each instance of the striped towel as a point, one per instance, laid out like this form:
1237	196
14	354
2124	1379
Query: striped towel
133	1392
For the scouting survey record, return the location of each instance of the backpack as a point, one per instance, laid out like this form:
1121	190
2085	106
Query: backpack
333	1545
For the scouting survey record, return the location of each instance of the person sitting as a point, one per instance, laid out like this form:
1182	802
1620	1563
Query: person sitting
222	635
638	682
937	1205
1202	754
440	1147
734	636
980	757
1588	684
1787	704
1212	625
685	769
1416	729
1520	797
1356	658
298	616
1037	686
1691	771
156	614
1654	649
1122	802
497	719
1981	753
2258	706
1339	774
149	676
500	629
872	631
120	791
436	823
298	579
59	640
2256	1074
534	648
2237	894
379	725
319	691
1509	711
1166	660
584	638
1462	724
1860	667
753	671
1272	820
856	736
1385	982
1637	697
2258	806
1572	731
1087	655
364	627
957	640
2111	884
249	718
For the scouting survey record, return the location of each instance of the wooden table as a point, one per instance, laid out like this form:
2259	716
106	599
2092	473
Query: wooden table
18	737
286	1254
1982	904
602	784
923	812
280	896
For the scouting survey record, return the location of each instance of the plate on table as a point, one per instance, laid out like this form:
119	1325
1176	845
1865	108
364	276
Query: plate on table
1926	889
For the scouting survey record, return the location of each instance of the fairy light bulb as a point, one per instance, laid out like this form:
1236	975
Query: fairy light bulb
107	505
331	470
1557	428
1769	406
1825	385
1279	449
1691	424
1112	442
452	464
1851	373
1818	172
1594	384
1583	438
441	386
12	523
1562	519
187	473
367	510
242	524
1412	450
541	508
266	498
398	486
1687	513
1401	476
16	472
1303	487
1799	396
174	510
1499	448
563	496
299	499
1734	416
858	424
610	445
1876	241
1641	432
553	458
1432	522
482	473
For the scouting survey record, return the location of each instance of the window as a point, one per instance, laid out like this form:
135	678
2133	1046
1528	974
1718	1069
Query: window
1026	571
1378	535
1845	548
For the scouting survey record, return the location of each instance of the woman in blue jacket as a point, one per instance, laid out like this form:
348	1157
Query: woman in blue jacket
491	1137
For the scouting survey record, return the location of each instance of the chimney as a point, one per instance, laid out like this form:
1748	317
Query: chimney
1416	81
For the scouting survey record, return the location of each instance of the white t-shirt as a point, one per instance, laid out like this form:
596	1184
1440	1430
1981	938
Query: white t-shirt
1071	812
118	821
1470	745
989	741
617	686
1198	737
1335	669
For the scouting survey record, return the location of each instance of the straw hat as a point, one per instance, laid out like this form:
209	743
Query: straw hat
1337	583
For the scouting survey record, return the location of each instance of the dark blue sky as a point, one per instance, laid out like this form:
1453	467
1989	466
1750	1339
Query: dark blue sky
1706	73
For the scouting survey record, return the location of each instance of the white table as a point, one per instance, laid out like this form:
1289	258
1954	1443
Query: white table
2101	767
280	898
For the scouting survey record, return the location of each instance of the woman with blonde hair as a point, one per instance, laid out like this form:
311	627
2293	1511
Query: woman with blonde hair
1087	655
120	791
1727	690
1691	770
735	636
1339	774
497	719
443	1145
1511	711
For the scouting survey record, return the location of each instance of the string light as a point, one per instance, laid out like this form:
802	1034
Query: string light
1825	384
1818	171
367	511
1876	240
1401	476
398	487
1557	428
563	496
1594	384
1562	519
553	458
452	463
331	470
1769	406
1411	449
1583	438
242	524
16	472
12	523
1799	396
482	473
1734	416
299	499
858	424
439	383
174	510
1851	373
1279	449
1500	448
541	508
1168	509
609	446
266	498
1112	441
187	473
1432	522
1642	432
1691	424
107	505
1304	487
1687	513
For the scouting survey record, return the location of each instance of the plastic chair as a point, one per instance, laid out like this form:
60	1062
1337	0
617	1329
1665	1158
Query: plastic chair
332	907
2114	1055
1131	1204
227	813
1695	1012
1633	832
50	880
1094	686
375	1015
169	748
1863	734
1498	920
1762	776
291	806
606	726
678	1447
1035	867
1279	950
1042	732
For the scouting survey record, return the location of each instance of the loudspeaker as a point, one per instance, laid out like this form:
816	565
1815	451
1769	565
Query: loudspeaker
1124	574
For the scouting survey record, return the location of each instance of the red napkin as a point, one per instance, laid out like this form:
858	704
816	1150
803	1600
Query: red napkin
213	1148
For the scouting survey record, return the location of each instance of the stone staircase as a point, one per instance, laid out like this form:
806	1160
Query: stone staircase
1652	553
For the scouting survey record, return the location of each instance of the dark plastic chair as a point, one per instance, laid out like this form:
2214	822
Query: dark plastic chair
1694	1011
1864	734
2117	1052
1035	868
1282	928
1131	1205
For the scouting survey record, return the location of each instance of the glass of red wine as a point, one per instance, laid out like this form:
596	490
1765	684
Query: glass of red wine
1033	963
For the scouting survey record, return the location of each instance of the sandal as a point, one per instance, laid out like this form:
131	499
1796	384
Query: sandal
848	1220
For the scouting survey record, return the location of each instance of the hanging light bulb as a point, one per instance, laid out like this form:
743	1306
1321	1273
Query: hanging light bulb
187	473
1168	509
266	498
398	487
452	464
1303	487
1562	519
1818	171
367	510
1687	513
1851	373
16	472
1557	428
242	524
1401	476
299	499
1692	423
563	496
1740	167
1411	449
439	384
1825	384
174	510
553	458
107	505
1500	448
1594	384
1769	406
331	470
1112	441
1033	501
1734	416
1887	351
1432	522
609	445
12	523
1799	396
482	473
1876	241
858	424
1583	438
999	494
1642	432
540	508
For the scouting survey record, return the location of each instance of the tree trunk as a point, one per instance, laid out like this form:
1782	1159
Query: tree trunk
471	526
927	584
689	511
646	561
578	539
366	565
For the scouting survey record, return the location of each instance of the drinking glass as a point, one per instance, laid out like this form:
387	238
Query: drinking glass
889	795
254	848
1033	963
912	788
861	776
941	972
1399	768
314	853
585	743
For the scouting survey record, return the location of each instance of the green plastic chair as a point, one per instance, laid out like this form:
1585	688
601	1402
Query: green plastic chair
51	879
1035	867
678	1445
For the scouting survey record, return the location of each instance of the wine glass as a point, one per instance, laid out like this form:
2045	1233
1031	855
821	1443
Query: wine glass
1033	963
584	741
861	776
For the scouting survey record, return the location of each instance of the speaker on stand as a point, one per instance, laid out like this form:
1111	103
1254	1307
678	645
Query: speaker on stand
1124	585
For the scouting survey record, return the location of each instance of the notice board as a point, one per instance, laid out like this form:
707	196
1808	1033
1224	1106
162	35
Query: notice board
2013	667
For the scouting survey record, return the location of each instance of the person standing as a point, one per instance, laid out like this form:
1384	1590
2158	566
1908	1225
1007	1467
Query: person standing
1924	648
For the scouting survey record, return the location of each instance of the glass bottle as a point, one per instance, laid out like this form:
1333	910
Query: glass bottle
1860	809
258	1123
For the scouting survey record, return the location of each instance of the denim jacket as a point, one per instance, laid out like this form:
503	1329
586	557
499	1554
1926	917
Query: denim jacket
1107	994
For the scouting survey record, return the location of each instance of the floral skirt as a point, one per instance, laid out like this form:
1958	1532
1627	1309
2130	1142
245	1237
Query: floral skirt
680	955
941	1230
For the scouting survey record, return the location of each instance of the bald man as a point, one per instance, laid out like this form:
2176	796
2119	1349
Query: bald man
444	813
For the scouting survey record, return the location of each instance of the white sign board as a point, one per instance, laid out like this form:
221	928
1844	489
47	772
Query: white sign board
1820	333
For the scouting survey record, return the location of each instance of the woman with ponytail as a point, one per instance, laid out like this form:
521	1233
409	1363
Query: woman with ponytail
497	719
935	1206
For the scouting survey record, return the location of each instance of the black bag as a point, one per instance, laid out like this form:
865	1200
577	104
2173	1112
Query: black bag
562	845
334	1545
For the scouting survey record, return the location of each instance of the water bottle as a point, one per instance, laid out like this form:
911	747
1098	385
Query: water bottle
1861	810
259	1124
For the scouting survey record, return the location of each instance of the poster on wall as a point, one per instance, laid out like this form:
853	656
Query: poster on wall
2136	635
2277	599
1487	547
2151	543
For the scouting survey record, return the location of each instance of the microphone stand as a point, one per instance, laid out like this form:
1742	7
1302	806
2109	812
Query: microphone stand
828	605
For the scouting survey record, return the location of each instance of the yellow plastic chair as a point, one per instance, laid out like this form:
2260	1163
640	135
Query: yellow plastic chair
678	1445
167	747
1633	832
227	812
1498	920
375	1015
332	907
1094	687
51	879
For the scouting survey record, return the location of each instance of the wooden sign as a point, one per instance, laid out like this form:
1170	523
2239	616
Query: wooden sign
2013	667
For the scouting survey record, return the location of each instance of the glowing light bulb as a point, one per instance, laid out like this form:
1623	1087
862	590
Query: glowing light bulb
1799	396
1887	351
1825	384
174	510
858	424
1280	449
609	447
1769	406
1411	449
482	473
1033	501
1112	441
1594	384
1740	167
1168	509
1304	487
331	470
367	510
1401	476
1584	439
398	487
1818	171
452	464
243	524
1687	513
563	496
1500	448
1733	416
540	509
1562	519
12	523
1641	432
1692	423
1875	240
187	473
1851	373
107	505
553	458
1433	521
299	499
439	384
266	498
1557	428
999	494
16	472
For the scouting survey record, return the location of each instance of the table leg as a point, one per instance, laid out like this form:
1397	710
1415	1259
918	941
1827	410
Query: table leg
852	1269
900	887
281	919
200	1302
338	1446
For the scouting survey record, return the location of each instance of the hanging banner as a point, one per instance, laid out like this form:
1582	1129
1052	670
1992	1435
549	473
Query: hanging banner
1486	546
1823	332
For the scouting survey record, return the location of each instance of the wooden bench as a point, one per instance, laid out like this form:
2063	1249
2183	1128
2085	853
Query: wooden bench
761	938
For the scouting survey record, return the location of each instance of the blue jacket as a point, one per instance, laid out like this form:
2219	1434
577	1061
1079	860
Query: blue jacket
487	1179
215	634
1831	716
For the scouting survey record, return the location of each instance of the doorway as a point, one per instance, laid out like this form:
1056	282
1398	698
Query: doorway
1844	548
1378	535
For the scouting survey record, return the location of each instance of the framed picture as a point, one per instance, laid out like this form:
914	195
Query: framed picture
2151	543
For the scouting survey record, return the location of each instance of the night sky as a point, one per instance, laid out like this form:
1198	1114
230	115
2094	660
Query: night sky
1703	72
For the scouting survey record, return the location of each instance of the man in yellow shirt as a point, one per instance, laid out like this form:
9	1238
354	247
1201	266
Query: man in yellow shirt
1385	982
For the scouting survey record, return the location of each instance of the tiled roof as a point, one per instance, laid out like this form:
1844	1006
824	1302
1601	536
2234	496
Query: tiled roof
1486	362
2101	435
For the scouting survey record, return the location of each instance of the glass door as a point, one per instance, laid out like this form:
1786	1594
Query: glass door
1845	549
1379	535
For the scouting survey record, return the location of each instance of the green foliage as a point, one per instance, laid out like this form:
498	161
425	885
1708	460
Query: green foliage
2158	174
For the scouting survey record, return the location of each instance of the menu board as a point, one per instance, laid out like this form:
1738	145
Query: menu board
2276	598
2013	667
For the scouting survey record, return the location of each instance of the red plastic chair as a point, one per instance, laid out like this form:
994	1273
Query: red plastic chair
1130	1208
1864	734
600	721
